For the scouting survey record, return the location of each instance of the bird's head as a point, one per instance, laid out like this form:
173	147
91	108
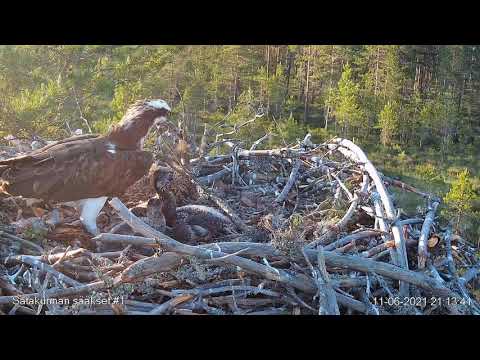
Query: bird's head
161	110
138	120
161	178
149	111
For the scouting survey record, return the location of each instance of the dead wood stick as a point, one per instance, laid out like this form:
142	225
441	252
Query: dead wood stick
22	241
139	304
381	254
210	179
67	255
435	273
296	298
55	293
253	249
351	237
62	258
81	275
241	288
297	281
257	142
283	153
210	159
448	250
291	180
32	261
423	241
410	221
224	207
125	239
185	312
379	248
346	248
169	244
170	304
144	267
358	263
470	274
384	226
351	303
273	311
116	227
328	300
352	151
404	186
370	308
453	271
343	187
349	282
353	206
7	287
109	254
326	297
229	300
226	282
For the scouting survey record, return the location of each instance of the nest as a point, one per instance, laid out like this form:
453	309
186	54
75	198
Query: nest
315	230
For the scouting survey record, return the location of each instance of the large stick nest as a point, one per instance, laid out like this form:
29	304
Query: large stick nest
312	229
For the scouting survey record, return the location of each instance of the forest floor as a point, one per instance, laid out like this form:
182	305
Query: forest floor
426	170
433	173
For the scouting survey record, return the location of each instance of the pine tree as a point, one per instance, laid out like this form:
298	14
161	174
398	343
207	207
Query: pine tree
388	123
347	109
460	198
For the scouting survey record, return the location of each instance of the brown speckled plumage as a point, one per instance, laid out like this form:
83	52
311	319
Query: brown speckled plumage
191	223
87	166
155	216
190	217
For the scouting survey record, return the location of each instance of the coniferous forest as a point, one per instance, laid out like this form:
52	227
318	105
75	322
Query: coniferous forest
416	108
413	109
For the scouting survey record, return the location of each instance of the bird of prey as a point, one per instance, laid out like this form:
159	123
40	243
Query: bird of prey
190	223
87	169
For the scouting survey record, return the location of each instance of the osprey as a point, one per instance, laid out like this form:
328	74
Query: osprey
87	169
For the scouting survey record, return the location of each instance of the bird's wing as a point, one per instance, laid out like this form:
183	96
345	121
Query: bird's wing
44	152
75	169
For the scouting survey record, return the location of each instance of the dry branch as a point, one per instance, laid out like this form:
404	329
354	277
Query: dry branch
291	180
272	263
353	152
423	241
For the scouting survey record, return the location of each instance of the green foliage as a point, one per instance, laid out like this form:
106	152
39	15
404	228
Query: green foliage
388	123
290	130
346	102
387	97
460	198
427	171
319	135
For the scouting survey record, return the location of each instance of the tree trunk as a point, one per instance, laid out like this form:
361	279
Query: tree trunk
287	74
268	76
376	72
307	84
330	85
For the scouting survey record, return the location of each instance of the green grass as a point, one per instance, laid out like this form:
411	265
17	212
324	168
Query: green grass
426	171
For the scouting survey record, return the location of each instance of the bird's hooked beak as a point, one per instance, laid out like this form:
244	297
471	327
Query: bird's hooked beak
162	123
